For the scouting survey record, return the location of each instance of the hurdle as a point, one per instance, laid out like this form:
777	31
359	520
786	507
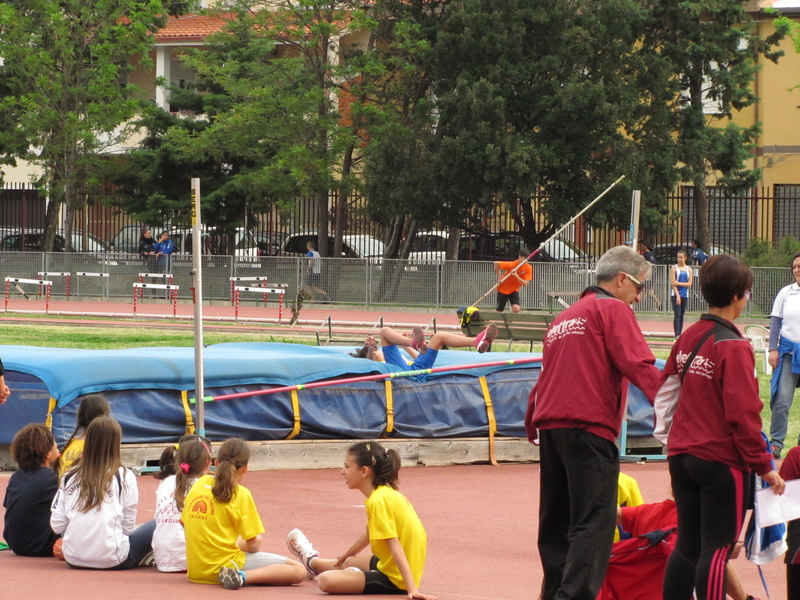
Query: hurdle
138	292
105	276
237	290
48	275
234	280
40	282
166	277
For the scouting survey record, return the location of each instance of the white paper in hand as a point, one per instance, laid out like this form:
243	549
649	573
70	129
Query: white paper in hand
772	509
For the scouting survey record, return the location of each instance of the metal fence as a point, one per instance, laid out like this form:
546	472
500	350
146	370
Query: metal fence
765	214
368	282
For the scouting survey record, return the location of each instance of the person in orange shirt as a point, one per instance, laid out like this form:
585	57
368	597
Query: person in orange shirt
508	290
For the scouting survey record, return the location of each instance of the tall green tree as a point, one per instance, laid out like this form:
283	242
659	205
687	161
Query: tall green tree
398	169
64	65
536	95
704	54
279	69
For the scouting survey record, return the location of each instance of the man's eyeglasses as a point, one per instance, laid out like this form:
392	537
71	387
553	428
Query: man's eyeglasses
639	285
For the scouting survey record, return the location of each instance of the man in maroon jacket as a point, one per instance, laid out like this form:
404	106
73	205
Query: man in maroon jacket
575	410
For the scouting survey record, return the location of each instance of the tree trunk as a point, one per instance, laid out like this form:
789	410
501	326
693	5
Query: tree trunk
51	220
453	238
322	225
72	202
701	210
408	243
393	244
340	218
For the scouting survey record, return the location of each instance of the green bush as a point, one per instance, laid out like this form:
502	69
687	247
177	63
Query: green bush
761	253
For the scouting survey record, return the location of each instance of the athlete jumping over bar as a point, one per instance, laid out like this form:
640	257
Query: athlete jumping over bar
424	354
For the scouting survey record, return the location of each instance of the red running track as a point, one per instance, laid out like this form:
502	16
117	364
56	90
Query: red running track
481	523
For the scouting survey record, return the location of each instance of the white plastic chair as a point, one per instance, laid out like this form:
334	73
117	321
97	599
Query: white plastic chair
759	337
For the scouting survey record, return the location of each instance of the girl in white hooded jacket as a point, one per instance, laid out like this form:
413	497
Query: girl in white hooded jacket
95	506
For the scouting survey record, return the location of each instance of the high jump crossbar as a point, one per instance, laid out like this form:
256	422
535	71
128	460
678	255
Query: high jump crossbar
544	243
378	377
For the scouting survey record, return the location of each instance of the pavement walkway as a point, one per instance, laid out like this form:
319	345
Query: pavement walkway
481	523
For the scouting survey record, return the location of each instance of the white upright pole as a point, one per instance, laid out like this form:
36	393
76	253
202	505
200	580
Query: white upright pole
636	203
197	298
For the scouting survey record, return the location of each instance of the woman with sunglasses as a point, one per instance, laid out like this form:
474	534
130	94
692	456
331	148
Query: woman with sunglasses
708	413
784	336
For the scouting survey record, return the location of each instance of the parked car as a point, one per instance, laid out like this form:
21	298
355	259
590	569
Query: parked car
269	242
505	245
354	245
428	247
665	253
32	242
214	242
127	238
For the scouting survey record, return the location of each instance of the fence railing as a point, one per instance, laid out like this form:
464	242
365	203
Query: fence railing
768	214
368	282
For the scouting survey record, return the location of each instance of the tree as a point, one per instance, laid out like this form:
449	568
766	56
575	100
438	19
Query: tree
275	71
201	138
706	50
64	67
398	169
537	96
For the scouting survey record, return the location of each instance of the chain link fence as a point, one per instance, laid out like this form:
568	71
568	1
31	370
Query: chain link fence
368	282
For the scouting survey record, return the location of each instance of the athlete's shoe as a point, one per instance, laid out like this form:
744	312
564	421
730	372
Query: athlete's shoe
148	560
298	543
418	340
230	578
483	341
776	451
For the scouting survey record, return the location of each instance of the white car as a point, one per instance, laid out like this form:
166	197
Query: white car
354	245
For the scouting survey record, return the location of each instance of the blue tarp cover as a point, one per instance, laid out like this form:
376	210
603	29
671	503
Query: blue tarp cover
70	373
143	387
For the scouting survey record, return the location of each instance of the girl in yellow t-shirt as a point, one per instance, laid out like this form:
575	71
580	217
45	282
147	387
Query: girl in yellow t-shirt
223	529
394	533
89	409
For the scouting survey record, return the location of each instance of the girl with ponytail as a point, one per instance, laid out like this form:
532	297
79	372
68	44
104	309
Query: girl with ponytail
223	529
181	464
394	533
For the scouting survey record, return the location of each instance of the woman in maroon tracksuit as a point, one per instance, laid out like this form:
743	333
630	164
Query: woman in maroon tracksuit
714	441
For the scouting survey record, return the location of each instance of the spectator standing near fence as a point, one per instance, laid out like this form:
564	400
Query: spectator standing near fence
164	249
575	411
698	256
508	288
314	271
680	280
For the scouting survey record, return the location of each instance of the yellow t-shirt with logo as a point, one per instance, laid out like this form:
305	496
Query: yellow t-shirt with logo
212	529
70	454
390	515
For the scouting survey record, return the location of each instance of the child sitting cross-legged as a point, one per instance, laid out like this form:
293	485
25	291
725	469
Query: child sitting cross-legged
30	492
223	529
394	533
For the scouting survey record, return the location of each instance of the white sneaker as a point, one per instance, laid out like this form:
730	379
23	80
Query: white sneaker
298	543
231	579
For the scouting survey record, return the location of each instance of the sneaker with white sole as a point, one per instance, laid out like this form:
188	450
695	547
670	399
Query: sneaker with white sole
299	545
418	340
148	560
231	579
483	341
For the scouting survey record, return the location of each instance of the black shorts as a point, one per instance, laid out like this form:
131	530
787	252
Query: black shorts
513	298
377	582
